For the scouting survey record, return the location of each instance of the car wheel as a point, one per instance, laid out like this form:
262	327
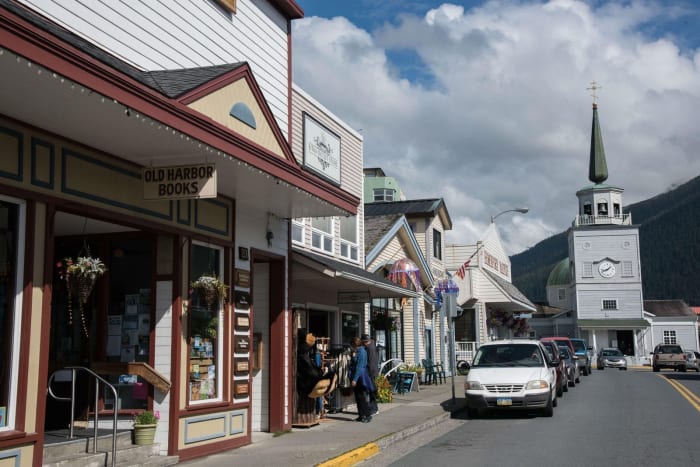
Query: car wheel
682	369
473	412
655	369
578	379
560	390
572	383
565	387
585	371
549	410
625	368
555	402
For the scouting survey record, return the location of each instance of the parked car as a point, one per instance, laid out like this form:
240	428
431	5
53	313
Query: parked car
668	356
562	376
611	357
692	361
582	351
511	375
572	370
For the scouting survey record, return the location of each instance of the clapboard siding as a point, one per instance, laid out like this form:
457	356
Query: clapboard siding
174	34
629	303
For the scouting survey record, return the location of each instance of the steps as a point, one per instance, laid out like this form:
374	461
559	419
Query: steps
77	452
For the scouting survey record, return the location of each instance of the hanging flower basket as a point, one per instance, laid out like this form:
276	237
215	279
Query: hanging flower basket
382	321
211	289
80	275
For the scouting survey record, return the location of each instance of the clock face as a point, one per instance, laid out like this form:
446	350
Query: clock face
606	269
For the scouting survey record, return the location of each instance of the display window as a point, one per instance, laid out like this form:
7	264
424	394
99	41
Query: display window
205	342
12	216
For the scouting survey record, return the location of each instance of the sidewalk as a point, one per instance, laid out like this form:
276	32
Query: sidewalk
340	440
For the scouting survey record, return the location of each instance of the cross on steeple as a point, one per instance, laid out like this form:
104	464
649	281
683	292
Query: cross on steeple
594	87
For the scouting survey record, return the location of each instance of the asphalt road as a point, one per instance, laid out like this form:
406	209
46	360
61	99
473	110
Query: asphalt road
612	418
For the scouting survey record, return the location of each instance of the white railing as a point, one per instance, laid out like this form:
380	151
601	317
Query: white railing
465	350
623	219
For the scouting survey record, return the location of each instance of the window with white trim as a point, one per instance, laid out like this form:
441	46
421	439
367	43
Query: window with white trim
587	269
627	268
384	194
562	293
348	238
437	244
670	337
297	232
322	233
206	320
609	304
12	234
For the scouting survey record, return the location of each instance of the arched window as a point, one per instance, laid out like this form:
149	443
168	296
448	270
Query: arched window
603	208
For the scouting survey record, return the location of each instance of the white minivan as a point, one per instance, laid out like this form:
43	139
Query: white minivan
511	375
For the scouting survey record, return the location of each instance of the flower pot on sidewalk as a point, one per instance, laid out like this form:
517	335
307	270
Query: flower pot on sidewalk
144	434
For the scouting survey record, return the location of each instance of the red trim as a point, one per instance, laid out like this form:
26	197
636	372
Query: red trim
49	51
175	346
26	316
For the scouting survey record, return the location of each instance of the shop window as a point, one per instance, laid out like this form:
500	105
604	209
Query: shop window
670	337
348	238
205	344
11	248
437	244
322	233
351	327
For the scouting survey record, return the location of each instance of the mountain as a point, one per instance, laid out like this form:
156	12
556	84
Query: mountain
669	231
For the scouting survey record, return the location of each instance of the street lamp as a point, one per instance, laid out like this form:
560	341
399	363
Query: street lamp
520	210
448	290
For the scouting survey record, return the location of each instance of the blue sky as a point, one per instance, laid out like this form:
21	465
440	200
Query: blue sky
484	103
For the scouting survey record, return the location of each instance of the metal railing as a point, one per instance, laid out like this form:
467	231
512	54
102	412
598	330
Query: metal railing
587	219
98	379
465	350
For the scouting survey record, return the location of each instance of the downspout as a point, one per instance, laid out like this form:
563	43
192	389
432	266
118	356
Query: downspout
416	328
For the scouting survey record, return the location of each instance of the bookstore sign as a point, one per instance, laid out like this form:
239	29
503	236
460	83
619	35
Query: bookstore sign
179	182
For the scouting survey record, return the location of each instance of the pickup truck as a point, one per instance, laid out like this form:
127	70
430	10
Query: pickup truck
668	356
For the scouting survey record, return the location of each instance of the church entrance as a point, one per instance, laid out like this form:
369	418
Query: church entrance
625	342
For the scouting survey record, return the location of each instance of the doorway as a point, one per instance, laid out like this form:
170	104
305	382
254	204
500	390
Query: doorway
108	324
625	342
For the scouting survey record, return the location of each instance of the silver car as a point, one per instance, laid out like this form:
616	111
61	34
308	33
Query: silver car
692	361
612	358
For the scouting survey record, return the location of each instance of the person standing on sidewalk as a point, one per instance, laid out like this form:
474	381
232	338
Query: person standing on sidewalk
359	380
372	369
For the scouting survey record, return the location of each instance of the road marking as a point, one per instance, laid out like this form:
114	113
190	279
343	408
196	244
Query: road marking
685	392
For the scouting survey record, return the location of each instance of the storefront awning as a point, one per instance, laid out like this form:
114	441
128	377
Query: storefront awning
311	271
513	299
613	323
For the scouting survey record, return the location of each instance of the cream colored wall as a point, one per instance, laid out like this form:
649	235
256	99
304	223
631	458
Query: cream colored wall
217	106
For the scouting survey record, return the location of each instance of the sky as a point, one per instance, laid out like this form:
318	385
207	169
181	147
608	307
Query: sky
486	103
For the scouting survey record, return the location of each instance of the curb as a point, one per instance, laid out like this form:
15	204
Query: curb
361	453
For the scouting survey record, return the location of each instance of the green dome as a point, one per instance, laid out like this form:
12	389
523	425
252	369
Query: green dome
560	275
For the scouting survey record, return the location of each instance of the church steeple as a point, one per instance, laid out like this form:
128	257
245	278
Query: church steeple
598	168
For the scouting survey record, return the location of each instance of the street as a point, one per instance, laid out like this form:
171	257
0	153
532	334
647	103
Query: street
612	418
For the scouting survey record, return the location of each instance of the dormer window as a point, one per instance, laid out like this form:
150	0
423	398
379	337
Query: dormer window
603	208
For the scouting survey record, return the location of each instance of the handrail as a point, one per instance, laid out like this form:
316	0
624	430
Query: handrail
98	378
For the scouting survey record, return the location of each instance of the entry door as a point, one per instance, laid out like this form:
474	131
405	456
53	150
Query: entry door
428	337
260	415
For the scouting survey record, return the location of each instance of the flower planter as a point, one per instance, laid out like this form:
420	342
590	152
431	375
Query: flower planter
144	434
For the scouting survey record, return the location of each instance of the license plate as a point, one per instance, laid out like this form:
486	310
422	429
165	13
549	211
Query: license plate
504	401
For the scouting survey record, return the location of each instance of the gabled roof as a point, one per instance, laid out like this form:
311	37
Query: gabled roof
668	308
175	83
376	228
410	208
510	290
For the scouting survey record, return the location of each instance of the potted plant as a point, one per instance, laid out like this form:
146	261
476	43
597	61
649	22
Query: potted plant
210	288
383	321
80	276
411	368
145	424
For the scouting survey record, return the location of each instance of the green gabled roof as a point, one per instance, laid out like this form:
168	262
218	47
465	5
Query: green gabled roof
560	275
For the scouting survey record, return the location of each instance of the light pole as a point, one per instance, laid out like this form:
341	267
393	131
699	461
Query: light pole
520	210
449	290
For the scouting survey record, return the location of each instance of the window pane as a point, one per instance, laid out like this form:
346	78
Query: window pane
206	322
9	235
324	224
348	229
297	232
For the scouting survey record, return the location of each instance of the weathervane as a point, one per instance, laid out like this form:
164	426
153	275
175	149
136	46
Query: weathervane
594	87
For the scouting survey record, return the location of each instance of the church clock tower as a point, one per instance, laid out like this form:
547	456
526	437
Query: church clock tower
604	259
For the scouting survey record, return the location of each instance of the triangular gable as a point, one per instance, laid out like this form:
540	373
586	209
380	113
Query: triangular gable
494	247
235	101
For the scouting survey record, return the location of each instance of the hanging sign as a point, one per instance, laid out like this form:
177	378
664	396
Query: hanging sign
179	182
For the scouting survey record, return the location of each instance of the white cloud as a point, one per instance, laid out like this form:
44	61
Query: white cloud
507	121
